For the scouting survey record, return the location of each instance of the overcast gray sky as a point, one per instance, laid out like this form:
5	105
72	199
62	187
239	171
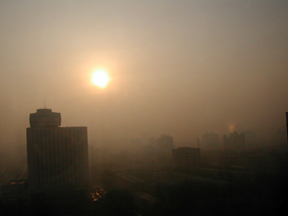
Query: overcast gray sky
178	67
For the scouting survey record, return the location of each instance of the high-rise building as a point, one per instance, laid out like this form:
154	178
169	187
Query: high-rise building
57	156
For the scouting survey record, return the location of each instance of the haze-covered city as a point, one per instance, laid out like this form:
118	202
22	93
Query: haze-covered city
143	107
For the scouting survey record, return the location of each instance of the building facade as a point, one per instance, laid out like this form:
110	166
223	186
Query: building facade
57	156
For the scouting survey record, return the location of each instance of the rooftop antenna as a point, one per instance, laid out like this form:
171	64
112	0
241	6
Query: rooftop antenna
44	103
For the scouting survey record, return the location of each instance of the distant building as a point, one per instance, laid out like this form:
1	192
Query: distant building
186	157
165	143
211	141
234	141
57	156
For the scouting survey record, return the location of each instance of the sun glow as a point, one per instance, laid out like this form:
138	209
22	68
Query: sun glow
100	78
232	127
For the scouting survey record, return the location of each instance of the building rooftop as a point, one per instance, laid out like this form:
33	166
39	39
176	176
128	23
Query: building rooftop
45	118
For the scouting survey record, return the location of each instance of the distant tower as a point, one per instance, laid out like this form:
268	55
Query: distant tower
57	157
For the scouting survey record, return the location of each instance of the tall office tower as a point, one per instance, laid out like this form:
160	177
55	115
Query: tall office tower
57	156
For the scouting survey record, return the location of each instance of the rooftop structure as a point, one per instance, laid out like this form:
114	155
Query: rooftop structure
45	118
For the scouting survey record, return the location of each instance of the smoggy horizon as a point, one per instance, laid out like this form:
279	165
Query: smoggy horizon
182	68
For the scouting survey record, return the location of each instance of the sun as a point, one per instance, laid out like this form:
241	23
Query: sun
100	78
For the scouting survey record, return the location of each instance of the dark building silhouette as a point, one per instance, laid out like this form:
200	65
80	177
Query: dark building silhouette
165	143
234	141
57	156
186	157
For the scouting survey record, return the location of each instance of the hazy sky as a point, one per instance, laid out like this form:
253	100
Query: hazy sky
178	67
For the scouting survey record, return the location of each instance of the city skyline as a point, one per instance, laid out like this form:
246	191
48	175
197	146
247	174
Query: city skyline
184	68
163	107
